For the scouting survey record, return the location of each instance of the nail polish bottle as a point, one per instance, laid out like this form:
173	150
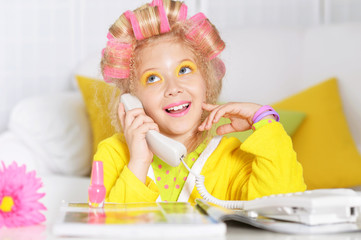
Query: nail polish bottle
96	190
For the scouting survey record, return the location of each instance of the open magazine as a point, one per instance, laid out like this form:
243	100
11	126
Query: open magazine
222	214
138	221
172	220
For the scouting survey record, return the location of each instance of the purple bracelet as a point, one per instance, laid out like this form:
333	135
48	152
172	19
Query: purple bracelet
265	111
261	110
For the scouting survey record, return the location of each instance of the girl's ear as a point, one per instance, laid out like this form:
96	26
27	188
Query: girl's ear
219	67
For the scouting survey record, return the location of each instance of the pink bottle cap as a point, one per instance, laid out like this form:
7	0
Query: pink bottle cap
97	173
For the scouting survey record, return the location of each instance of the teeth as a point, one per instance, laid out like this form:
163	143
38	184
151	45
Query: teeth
176	108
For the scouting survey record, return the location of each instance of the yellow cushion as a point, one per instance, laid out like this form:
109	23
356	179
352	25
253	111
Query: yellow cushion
323	142
97	95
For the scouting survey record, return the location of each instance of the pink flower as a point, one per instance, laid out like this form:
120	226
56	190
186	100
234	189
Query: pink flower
19	204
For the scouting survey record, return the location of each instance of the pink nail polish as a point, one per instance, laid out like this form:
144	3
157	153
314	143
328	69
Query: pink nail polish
96	190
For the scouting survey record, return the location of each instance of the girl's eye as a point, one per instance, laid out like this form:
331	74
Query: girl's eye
153	79
186	67
150	78
185	70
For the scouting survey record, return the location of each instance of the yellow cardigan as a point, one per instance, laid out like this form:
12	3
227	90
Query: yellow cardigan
264	164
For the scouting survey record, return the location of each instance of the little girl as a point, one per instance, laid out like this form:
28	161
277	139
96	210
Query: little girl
169	61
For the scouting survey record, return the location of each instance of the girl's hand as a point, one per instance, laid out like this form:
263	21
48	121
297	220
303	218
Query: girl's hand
136	124
240	114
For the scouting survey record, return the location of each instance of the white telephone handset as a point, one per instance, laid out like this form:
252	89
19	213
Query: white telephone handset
167	149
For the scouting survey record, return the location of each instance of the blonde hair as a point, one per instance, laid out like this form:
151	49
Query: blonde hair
134	31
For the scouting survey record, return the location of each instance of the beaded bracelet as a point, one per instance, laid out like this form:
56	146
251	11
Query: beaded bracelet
265	111
261	123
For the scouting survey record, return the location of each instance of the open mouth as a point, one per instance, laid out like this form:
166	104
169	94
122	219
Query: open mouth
178	110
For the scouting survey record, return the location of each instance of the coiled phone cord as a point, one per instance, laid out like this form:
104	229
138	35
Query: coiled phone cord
207	196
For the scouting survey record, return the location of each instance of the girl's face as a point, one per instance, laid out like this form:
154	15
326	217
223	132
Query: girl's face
171	88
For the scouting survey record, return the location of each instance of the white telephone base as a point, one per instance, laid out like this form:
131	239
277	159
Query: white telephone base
315	207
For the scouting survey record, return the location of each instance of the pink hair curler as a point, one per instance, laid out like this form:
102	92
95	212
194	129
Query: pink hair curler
135	24
116	51
110	36
219	67
164	23
183	12
115	45
199	25
110	72
199	32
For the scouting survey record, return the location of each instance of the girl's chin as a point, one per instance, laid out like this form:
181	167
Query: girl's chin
180	126
180	131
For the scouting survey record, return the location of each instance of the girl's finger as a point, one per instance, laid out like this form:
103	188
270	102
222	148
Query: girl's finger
211	117
242	125
224	129
222	112
144	128
209	107
201	127
231	110
209	121
139	121
131	115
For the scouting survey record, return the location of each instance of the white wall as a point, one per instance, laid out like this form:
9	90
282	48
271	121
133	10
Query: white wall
42	41
280	13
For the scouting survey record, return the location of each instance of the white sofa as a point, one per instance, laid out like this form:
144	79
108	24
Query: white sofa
51	134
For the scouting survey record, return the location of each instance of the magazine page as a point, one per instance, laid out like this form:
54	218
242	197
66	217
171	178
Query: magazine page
178	219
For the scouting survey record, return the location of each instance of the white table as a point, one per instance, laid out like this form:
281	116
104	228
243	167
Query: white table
73	189
234	231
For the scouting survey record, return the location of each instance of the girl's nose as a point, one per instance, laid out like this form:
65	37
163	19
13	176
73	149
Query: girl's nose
173	87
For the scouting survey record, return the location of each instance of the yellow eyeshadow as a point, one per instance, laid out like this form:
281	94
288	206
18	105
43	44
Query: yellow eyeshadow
188	64
145	77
